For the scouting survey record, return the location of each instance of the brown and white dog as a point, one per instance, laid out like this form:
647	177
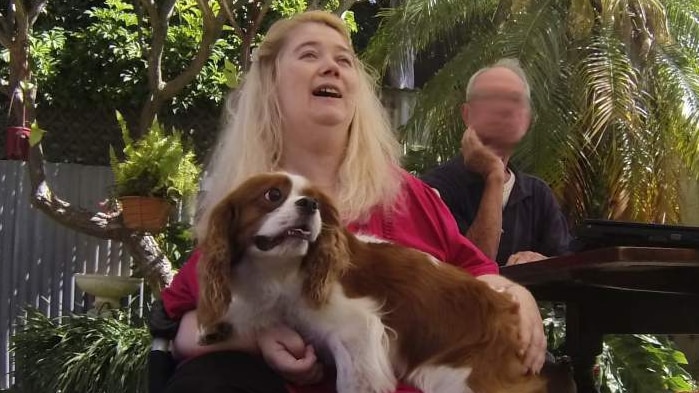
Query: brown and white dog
276	253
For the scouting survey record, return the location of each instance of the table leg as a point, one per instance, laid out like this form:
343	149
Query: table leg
583	344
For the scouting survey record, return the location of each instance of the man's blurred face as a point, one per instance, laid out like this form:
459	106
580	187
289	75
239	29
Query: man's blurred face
498	109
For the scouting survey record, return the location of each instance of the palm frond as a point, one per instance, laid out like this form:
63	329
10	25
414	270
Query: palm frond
674	90
684	24
417	24
610	82
539	43
436	121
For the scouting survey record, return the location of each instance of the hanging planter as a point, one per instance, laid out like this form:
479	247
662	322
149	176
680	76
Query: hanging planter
145	214
17	143
155	173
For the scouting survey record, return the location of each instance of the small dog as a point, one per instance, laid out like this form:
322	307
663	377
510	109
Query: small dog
276	253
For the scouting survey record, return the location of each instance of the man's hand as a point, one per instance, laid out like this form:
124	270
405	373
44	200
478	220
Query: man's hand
478	157
524	257
285	351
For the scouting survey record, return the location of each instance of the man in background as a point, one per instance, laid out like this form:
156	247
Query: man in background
511	216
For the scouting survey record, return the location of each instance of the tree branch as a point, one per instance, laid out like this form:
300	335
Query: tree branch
154	266
212	30
36	10
250	33
231	17
255	24
159	24
95	224
206	11
5	39
313	5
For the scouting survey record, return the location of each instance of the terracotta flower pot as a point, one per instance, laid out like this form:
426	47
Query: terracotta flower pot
147	214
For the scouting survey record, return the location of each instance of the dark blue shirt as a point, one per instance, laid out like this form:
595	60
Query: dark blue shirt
532	220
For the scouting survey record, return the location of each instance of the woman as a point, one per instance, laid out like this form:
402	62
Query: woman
308	106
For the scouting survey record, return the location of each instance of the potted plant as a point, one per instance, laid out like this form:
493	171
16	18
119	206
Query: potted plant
156	172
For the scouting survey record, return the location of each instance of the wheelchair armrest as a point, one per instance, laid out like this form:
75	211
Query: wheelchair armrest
161	363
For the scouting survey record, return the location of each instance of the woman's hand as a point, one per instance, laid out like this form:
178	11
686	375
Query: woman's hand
531	328
285	351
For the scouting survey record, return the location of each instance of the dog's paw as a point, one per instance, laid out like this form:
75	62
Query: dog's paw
220	332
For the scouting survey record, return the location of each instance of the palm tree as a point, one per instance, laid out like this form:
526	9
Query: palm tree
615	88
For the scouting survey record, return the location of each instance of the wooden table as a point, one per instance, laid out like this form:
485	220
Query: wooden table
616	290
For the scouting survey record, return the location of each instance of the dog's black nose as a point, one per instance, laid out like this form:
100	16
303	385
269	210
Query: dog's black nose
307	205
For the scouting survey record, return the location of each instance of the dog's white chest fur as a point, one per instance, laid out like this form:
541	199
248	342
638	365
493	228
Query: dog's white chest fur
260	301
350	331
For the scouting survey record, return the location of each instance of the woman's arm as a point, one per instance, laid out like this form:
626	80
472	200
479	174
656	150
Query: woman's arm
186	346
282	348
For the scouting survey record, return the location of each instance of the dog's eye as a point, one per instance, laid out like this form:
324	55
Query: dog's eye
273	194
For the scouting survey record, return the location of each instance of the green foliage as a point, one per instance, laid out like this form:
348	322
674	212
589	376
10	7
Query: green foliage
45	47
102	59
415	159
102	62
553	315
639	363
642	363
231	73
80	354
287	8
350	22
157	165
36	135
177	243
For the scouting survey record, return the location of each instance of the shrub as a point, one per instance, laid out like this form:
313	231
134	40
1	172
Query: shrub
80	354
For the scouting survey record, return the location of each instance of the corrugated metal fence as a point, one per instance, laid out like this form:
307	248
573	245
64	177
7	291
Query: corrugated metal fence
38	256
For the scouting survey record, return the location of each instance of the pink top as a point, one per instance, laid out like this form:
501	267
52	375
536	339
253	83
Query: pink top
421	221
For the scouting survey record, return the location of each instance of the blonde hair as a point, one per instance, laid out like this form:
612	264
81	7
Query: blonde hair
251	139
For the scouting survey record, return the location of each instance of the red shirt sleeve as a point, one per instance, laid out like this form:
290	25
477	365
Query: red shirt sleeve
424	222
182	293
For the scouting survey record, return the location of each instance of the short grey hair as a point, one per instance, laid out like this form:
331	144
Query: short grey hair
511	64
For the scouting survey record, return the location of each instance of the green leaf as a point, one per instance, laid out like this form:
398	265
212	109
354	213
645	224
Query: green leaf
350	22
231	72
36	134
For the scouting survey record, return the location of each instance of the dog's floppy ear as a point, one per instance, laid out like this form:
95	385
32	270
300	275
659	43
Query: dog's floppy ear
215	268
327	257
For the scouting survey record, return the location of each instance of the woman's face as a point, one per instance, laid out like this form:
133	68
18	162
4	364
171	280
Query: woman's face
316	78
